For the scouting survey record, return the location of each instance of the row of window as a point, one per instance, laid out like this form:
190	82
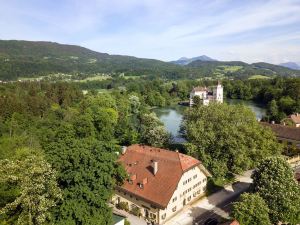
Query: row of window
190	179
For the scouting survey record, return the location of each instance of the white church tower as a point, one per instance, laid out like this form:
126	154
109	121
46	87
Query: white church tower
218	92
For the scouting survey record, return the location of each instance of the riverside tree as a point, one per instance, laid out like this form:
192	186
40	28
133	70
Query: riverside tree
228	139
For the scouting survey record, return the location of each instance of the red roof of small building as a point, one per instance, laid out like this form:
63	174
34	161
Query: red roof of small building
159	188
281	131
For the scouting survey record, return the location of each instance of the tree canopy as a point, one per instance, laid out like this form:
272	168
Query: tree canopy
227	138
251	209
274	181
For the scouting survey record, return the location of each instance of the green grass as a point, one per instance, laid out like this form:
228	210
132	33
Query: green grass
96	78
258	77
230	68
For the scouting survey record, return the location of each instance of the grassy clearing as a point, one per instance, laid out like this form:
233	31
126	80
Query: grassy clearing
258	77
96	78
230	68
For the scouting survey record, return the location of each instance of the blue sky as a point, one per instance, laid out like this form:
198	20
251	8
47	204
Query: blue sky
244	30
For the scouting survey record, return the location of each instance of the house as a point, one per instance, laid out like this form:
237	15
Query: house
161	182
285	134
295	118
207	95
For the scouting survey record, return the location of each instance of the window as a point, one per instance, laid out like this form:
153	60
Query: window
195	176
174	199
174	209
204	188
189	198
163	216
189	189
152	215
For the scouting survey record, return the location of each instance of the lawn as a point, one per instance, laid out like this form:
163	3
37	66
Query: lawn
258	77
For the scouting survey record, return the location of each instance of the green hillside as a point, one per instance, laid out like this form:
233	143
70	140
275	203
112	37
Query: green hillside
237	69
28	59
32	59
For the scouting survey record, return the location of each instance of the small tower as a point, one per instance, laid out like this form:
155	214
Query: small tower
218	92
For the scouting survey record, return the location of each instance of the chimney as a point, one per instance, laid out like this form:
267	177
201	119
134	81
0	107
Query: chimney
133	177
145	181
155	167
124	148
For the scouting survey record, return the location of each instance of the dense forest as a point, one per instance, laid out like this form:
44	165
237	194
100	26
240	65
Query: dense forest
281	96
51	134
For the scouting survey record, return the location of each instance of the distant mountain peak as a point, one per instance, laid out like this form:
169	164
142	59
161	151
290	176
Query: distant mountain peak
291	65
186	61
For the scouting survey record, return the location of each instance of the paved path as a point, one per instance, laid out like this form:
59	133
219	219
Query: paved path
215	205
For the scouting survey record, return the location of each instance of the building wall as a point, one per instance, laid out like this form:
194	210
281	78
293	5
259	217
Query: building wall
218	93
201	94
120	222
191	186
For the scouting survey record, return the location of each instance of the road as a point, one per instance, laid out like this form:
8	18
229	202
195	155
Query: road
216	205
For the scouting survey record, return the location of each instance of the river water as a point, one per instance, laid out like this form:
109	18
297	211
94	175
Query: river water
171	116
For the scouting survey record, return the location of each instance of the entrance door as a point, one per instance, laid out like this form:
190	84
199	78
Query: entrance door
146	213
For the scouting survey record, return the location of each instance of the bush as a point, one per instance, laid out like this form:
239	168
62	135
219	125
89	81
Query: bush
136	211
126	222
123	206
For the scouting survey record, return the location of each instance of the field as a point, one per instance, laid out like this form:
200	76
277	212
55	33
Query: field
258	77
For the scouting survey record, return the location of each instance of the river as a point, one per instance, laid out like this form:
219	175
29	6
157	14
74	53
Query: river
172	115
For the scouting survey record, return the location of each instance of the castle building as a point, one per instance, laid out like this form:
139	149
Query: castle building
207	95
161	182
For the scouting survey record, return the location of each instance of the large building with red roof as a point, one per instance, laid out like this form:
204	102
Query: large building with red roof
160	181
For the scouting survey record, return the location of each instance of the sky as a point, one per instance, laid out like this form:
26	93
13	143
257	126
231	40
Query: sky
246	30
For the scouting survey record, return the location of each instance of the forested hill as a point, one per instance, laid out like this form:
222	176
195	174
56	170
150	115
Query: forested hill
29	59
243	70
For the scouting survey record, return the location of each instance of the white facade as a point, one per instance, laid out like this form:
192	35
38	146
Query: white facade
191	186
207	95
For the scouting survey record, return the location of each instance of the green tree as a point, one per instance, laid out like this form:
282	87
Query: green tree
227	138
39	192
153	131
251	209
87	173
196	100
273	110
274	181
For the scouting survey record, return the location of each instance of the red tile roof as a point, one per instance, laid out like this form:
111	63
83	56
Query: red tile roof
160	187
281	131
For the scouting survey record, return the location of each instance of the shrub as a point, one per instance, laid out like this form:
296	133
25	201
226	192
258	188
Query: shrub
123	206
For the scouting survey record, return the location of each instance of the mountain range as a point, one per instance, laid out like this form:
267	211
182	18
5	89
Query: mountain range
26	59
186	61
291	65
